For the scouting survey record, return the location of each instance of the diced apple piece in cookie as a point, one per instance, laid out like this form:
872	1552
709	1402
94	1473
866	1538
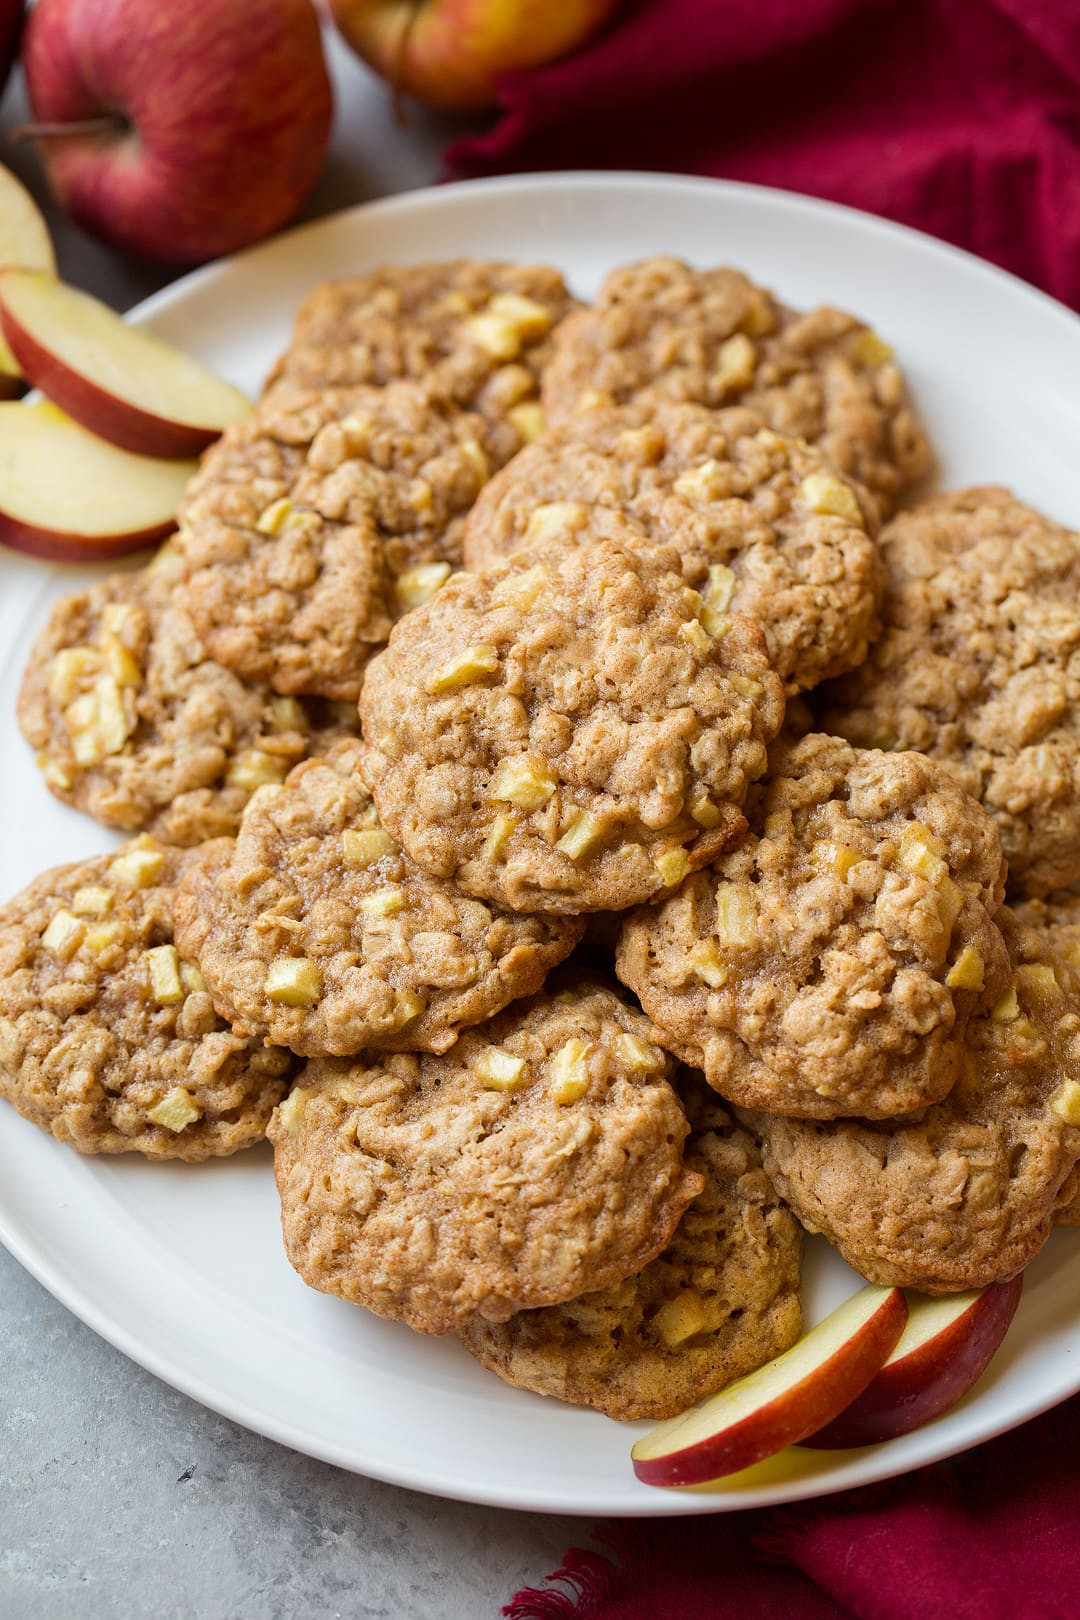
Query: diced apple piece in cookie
121	383
67	495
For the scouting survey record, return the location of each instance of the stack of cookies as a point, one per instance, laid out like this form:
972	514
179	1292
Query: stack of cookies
653	909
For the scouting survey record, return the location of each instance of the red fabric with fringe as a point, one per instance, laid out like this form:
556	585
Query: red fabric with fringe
959	116
991	1535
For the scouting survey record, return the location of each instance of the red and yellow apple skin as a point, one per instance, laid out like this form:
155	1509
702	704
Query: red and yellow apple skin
220	118
450	52
945	1348
123	384
781	1403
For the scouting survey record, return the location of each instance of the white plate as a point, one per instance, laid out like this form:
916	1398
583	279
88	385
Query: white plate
182	1267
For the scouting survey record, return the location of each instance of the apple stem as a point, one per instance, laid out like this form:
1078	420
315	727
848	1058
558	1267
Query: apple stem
107	124
401	112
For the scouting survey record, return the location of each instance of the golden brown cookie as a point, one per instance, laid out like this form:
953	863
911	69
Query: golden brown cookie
135	725
479	331
830	963
563	733
719	1301
660	330
1056	919
979	667
540	1157
964	1195
314	930
108	1038
315	523
762	524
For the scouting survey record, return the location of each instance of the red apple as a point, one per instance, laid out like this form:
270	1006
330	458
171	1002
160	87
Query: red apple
125	385
450	52
178	129
944	1349
70	496
782	1402
11	16
24	240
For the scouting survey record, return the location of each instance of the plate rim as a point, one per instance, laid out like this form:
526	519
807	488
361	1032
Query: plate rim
19	1240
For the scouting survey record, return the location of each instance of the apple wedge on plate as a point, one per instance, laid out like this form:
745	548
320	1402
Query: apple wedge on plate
781	1403
68	495
121	383
944	1349
24	241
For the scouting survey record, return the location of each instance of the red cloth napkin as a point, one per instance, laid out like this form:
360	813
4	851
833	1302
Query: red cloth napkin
959	116
992	1535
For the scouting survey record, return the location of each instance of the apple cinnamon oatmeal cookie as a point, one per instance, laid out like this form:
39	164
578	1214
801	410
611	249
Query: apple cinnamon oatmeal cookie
662	331
478	331
564	733
719	1301
317	932
540	1157
761	523
1056	919
317	522
979	667
108	1038
135	725
829	965
965	1195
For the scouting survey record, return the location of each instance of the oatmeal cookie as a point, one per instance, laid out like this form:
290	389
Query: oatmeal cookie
829	965
1056	919
479	332
108	1039
315	523
135	725
760	522
979	667
317	932
562	732
964	1195
540	1157
660	331
719	1301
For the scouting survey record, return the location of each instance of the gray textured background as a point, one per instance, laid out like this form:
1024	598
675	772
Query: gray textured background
120	1498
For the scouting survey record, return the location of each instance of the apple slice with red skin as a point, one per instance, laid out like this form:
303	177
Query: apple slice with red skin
944	1349
123	384
780	1403
67	495
24	241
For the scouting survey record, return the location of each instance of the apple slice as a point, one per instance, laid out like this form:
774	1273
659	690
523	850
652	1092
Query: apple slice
945	1347
24	241
125	385
68	495
782	1402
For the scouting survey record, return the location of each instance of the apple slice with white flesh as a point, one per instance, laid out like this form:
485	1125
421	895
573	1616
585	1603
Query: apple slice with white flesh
70	496
944	1349
24	241
123	384
780	1403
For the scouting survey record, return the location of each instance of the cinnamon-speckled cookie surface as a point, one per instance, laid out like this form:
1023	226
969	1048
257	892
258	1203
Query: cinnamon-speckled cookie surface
562	733
135	725
979	666
761	523
107	1038
479	331
966	1194
538	1158
1056	920
314	524
721	1300
829	965
316	931
660	330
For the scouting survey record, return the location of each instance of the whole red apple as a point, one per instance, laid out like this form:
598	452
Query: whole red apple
450	52
196	126
11	16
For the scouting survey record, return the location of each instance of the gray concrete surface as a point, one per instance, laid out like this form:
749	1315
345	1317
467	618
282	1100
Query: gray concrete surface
122	1499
